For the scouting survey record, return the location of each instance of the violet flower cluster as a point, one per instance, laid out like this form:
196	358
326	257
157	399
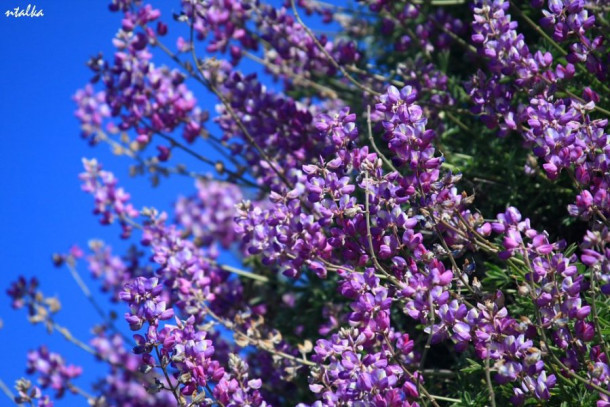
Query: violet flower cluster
572	20
208	216
126	384
292	46
26	393
114	271
266	122
52	370
223	21
110	202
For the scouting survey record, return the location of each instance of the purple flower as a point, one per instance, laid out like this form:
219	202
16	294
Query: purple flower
143	296
52	370
110	201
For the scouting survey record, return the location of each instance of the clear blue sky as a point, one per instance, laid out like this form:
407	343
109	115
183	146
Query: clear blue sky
42	209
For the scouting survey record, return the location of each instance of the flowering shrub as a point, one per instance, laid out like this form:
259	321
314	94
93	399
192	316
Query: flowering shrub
419	200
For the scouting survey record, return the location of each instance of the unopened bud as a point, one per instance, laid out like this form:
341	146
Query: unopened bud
523	290
220	167
58	259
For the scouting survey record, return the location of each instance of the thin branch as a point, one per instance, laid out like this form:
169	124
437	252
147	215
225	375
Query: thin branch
372	140
452	260
70	338
457	121
81	392
87	293
581	100
578	186
370	236
232	327
598	329
536	28
328	56
154	166
469	47
230	269
188	150
297	79
6	390
431	321
67	335
201	79
376	76
409	374
442	398
243	273
354	11
439	372
163	367
234	116
249	137
207	386
490	387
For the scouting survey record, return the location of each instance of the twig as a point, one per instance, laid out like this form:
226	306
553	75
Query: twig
249	137
330	58
6	390
81	392
409	374
176	143
155	167
490	388
297	79
370	236
201	79
232	327
431	319
230	269
243	273
376	76
80	344
439	372
596	210
87	293
598	329
539	30
237	119
207	386
581	100
458	122
372	140
68	336
442	398
179	400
